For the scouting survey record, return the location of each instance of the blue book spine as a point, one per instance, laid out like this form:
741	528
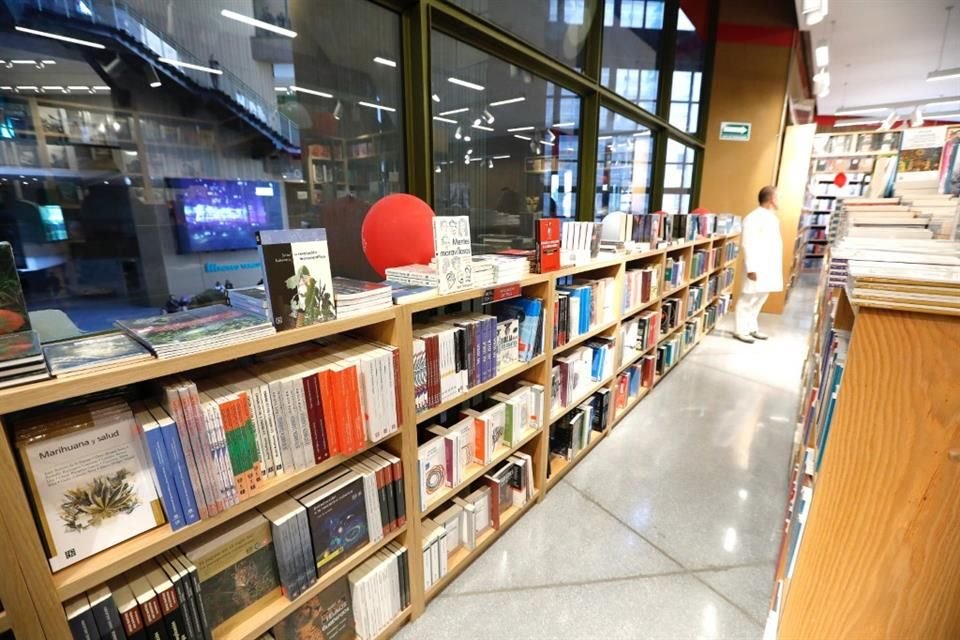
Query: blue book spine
181	476
164	477
584	309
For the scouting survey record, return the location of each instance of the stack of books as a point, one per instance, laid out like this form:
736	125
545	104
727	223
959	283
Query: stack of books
100	352
357	297
421	275
505	269
253	300
484	272
187	332
21	359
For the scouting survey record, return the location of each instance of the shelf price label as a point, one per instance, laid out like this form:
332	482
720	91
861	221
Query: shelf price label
735	131
504	292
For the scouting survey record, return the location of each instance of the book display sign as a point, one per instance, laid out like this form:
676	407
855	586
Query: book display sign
451	244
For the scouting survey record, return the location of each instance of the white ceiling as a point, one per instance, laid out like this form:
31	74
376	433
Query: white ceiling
882	50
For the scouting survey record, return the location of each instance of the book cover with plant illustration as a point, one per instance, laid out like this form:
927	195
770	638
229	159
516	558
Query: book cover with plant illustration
13	308
186	331
326	616
236	566
296	274
90	482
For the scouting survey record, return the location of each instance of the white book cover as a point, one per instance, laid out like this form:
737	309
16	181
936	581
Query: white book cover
433	469
91	486
451	244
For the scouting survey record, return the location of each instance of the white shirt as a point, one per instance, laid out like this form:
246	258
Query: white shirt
763	251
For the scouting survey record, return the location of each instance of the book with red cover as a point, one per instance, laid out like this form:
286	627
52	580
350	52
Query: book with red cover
311	390
328	393
548	245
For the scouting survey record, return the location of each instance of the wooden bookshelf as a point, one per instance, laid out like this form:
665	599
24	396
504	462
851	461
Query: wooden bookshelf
33	595
4	621
560	467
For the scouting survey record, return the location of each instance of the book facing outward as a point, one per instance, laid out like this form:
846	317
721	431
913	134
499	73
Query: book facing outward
451	243
296	269
89	479
326	616
186	332
97	352
21	359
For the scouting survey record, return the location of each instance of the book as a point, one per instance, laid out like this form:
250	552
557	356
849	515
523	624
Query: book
20	349
130	619
296	275
338	519
13	306
106	615
148	603
236	567
184	332
451	243
94	352
326	616
80	618
548	245
89	480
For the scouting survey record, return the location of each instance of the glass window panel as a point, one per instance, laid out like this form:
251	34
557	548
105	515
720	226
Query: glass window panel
557	27
518	163
631	43
678	177
624	163
673	176
690	60
679	114
121	199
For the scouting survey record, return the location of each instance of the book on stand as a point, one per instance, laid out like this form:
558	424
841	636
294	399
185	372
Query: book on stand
296	270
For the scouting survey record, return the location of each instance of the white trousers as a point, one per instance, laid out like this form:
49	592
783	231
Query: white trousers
748	312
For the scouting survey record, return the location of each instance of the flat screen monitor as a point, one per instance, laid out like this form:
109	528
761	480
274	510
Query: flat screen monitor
223	215
54	226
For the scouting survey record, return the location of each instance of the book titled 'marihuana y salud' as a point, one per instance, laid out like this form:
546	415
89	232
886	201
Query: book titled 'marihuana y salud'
89	479
296	273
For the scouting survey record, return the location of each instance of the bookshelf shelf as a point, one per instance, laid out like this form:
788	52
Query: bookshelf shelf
669	334
702	276
584	337
57	389
480	388
560	467
562	411
259	619
44	592
462	558
99	568
476	472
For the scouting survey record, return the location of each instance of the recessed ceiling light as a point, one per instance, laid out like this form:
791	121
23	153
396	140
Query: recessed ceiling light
508	101
378	107
453	111
503	157
442	119
517	135
515	129
57	36
482	127
311	92
821	55
387	62
190	65
435	97
260	24
463	83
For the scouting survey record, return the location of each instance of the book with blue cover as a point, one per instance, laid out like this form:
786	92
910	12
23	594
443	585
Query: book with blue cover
338	520
528	312
161	465
181	476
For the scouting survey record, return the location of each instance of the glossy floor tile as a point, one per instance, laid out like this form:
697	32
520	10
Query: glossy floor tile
669	527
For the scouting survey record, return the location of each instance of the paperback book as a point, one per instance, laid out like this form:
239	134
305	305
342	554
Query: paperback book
94	352
13	306
296	270
451	243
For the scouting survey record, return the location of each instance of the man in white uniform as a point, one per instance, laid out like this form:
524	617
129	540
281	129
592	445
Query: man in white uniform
763	252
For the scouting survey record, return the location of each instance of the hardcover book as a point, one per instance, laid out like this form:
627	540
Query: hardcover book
99	351
18	349
296	269
89	480
451	243
236	567
13	307
548	245
326	616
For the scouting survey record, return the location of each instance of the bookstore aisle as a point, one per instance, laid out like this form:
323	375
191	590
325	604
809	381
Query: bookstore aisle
669	528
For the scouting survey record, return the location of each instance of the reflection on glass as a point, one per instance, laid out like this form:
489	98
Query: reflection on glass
556	27
624	163
137	163
678	177
631	46
688	65
505	143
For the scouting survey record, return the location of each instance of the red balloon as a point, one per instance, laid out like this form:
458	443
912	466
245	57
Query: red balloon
840	179
397	231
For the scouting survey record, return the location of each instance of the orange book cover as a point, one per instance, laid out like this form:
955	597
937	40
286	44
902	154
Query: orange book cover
353	408
245	419
480	440
328	397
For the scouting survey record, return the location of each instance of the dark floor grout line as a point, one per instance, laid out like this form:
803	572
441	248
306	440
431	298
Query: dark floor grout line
582	583
690	572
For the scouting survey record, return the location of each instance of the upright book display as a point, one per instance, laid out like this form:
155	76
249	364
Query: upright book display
267	485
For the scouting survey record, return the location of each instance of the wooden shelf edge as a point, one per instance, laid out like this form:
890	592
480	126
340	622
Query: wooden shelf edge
620	415
593	333
669	292
555	477
396	625
477	473
637	309
470	294
262	618
479	388
57	389
669	334
99	568
633	360
488	538
562	411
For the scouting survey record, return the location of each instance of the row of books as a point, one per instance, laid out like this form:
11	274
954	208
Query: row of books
630	381
670	314
639	333
453	353
580	306
579	242
668	353
691	332
695	299
571	434
447	455
575	372
641	286
483	507
713	286
730	251
675	272
192	591
494	269
716	258
727	276
643	232
715	311
699	263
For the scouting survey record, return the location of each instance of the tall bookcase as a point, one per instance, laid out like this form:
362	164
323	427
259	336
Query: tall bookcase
32	596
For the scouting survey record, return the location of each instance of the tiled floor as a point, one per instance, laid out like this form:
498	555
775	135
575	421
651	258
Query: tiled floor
669	527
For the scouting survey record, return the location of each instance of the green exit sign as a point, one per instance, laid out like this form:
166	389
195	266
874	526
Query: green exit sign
735	131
